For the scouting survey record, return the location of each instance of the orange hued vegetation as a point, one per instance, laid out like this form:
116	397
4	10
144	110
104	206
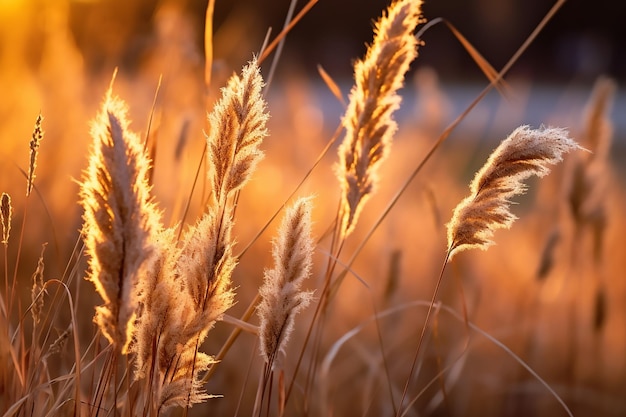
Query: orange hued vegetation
273	244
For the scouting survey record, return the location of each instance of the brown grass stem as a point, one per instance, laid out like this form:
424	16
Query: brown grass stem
241	324
208	44
193	188
34	145
283	33
77	356
5	311
422	334
383	356
332	86
157	90
18	256
279	48
7	217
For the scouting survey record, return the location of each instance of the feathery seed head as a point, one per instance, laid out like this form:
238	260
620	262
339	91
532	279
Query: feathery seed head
6	212
524	153
368	120
36	295
238	126
119	218
34	151
206	264
281	295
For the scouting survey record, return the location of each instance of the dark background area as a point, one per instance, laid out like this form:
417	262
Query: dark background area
584	39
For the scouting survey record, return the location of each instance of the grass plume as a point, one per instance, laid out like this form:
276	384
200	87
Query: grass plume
35	142
524	153
281	295
119	218
6	213
237	129
188	287
373	100
38	287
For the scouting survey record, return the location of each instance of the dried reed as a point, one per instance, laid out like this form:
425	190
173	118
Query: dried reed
373	99
119	219
237	129
524	153
281	295
38	287
6	212
35	142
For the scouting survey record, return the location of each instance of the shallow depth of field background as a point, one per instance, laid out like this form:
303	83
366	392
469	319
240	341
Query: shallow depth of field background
57	58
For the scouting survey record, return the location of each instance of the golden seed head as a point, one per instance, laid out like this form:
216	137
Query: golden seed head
7	211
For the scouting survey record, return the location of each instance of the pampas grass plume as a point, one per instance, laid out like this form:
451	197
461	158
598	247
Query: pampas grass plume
38	286
6	212
281	295
34	151
373	99
237	129
119	218
524	153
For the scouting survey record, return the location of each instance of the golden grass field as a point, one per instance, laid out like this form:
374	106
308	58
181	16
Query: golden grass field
189	236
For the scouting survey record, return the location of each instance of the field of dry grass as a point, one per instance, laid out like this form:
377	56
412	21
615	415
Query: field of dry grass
190	235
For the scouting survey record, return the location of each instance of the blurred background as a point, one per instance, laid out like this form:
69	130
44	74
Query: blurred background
580	43
165	37
583	41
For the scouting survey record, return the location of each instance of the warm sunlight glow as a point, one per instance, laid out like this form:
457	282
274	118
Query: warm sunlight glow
291	236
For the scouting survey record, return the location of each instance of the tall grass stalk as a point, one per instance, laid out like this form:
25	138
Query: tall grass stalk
525	152
369	129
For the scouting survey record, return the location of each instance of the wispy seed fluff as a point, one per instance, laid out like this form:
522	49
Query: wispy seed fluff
373	99
200	293
281	295
119	218
237	129
524	153
190	286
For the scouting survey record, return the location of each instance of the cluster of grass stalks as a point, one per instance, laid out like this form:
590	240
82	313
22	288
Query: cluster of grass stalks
173	306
